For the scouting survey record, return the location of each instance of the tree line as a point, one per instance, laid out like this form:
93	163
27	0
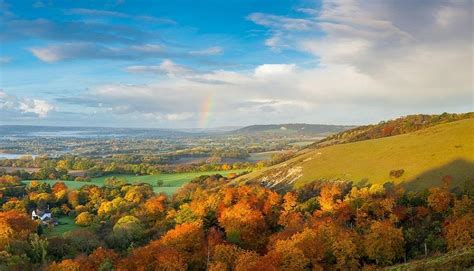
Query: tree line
213	224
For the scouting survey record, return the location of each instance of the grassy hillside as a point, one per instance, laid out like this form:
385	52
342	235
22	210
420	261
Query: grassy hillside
462	259
425	157
399	126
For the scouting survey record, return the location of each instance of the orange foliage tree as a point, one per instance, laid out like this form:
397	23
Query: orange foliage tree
243	225
384	243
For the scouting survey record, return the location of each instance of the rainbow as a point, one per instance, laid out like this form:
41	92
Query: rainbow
205	112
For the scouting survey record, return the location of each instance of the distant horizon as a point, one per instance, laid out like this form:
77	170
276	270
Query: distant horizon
224	126
161	128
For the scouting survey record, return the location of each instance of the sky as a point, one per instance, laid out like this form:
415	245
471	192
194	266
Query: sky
204	64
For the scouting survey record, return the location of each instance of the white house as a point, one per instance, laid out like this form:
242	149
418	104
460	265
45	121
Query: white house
43	215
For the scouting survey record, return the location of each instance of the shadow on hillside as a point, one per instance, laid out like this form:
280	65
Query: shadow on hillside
462	172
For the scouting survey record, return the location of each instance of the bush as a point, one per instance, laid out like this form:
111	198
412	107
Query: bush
396	173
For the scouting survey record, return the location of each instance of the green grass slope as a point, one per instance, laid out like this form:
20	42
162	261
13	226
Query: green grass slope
425	156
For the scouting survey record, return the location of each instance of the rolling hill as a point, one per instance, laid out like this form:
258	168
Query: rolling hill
294	128
422	157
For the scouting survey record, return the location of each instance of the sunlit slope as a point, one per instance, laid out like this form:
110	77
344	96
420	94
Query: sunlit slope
425	156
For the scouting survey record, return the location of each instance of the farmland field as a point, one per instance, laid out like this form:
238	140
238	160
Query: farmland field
171	181
66	224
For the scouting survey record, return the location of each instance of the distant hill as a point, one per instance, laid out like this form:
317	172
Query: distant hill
294	128
418	159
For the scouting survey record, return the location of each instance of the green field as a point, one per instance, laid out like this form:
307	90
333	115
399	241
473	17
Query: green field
425	156
66	224
171	181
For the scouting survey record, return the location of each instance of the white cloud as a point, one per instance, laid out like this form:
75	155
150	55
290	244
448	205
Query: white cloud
85	50
277	22
167	67
96	12
38	107
10	104
211	51
394	52
269	70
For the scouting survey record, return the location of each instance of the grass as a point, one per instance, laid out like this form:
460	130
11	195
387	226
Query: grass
66	224
425	156
171	181
460	259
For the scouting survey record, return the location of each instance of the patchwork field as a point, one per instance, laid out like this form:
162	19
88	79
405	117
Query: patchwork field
171	181
424	156
66	224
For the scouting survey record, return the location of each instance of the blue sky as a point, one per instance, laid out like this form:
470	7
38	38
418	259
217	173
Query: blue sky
161	63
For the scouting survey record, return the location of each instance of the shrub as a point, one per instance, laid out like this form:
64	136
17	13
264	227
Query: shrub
396	173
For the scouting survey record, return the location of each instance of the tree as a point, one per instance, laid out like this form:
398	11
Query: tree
346	249
58	186
459	232
287	256
188	240
65	265
384	243
39	248
128	229
155	205
84	219
243	225
329	193
15	226
248	261
113	208
225	255
439	199
159	183
101	259
154	256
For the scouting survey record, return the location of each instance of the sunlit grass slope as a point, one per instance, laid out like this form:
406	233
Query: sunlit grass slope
425	156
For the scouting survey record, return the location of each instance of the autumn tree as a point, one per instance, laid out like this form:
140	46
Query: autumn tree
65	265
384	243
243	225
154	256
99	259
328	196
14	226
459	232
188	240
225	256
439	199
84	219
155	205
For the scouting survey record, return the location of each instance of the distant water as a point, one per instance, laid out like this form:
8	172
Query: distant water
13	132
14	155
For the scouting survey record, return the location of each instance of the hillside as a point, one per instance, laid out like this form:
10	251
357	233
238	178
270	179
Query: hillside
462	259
424	157
294	128
399	126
